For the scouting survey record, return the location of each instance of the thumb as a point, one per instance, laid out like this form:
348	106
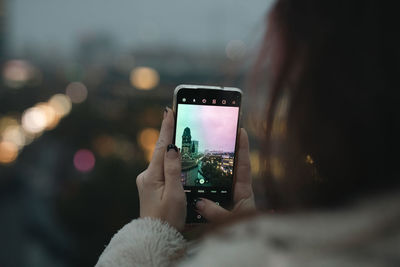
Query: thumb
211	211
172	168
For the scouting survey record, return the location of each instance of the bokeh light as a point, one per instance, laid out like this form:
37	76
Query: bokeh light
235	49
16	73
277	168
118	146
147	139
309	160
77	92
144	78
34	120
43	116
6	122
50	114
255	163
104	145
61	104
8	152
14	134
84	160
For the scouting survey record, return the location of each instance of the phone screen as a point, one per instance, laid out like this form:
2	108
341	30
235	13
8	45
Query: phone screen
206	132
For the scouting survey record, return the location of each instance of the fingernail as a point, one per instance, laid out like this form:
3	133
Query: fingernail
165	113
172	151
195	201
199	203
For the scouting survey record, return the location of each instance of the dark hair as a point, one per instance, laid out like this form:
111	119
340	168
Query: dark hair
332	119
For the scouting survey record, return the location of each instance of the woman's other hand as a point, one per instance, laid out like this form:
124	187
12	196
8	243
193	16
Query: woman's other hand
161	193
243	196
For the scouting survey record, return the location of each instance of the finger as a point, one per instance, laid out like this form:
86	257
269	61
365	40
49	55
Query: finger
139	181
243	181
165	138
172	169
211	211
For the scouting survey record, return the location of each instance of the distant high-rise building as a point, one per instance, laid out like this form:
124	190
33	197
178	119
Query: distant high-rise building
195	147
186	143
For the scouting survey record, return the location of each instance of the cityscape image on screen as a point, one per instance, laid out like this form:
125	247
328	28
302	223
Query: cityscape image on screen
206	136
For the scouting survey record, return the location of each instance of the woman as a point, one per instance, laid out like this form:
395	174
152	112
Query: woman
332	126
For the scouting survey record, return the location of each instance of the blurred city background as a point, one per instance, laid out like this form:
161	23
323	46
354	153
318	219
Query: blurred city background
83	87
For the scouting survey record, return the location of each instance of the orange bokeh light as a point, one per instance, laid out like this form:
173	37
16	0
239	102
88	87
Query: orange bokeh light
8	152
147	139
51	116
144	78
61	104
104	145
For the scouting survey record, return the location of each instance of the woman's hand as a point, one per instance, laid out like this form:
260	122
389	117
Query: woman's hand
243	196
161	192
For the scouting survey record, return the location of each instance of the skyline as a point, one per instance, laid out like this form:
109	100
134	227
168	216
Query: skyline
212	132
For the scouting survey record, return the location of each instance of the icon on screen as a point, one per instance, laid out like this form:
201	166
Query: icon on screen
233	102
194	100
204	100
214	101
183	99
223	101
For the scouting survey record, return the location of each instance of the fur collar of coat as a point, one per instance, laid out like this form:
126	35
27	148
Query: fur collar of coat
367	234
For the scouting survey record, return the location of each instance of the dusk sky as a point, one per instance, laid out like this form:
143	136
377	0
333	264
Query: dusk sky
213	126
185	24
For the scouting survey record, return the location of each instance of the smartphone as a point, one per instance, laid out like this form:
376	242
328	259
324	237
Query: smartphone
206	131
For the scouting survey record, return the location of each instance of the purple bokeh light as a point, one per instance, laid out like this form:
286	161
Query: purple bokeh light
84	160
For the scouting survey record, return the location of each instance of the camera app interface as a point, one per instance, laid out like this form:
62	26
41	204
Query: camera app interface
206	135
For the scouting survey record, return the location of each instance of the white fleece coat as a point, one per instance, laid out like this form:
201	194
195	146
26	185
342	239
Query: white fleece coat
363	235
